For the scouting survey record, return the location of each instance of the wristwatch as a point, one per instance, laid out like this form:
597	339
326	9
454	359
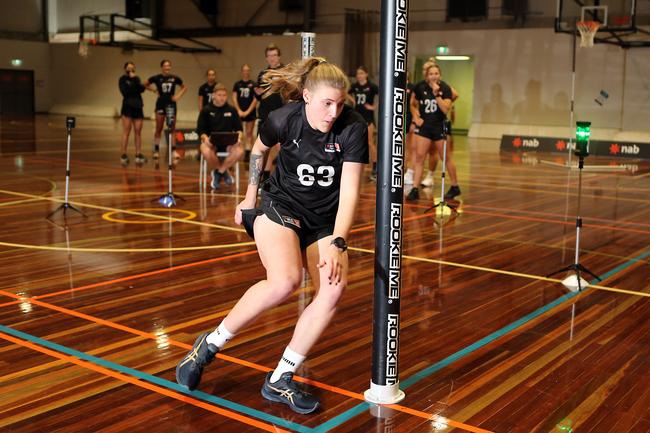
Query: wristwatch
339	243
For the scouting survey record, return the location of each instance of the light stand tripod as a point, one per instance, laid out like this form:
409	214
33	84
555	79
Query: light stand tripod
169	199
69	124
575	282
442	204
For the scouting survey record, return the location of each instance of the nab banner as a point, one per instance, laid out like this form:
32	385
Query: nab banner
615	149
186	138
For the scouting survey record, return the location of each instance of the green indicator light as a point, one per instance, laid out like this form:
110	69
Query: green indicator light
583	131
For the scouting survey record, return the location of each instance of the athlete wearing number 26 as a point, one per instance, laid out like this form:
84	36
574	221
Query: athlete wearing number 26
304	217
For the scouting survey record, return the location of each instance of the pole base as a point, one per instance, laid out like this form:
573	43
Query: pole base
168	200
64	208
575	283
384	394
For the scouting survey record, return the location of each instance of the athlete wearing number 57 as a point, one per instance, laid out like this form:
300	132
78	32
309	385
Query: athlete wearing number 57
164	84
306	211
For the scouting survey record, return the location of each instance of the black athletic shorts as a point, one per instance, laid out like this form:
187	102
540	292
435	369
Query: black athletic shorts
431	131
161	106
132	112
448	125
251	117
280	214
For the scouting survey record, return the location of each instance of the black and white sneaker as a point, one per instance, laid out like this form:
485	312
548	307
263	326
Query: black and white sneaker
227	178
140	159
286	391
124	159
216	179
454	191
190	369
413	195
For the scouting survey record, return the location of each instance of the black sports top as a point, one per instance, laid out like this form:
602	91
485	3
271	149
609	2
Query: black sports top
429	110
218	119
166	86
245	93
307	178
364	94
206	90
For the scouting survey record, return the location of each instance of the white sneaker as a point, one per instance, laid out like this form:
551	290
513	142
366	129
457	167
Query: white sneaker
408	177
428	180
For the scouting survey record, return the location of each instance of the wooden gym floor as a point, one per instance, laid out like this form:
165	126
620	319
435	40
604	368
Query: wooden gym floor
93	319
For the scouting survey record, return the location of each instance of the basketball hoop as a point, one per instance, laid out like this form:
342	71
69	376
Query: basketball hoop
587	31
83	47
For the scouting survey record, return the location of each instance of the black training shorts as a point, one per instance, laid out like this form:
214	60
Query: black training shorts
282	215
431	131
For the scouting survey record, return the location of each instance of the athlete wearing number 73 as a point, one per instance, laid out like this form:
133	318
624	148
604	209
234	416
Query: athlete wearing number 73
306	212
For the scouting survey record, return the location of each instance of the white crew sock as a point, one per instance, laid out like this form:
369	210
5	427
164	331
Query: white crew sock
220	336
290	361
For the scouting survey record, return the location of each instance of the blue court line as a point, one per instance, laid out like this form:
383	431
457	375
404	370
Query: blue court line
428	371
199	395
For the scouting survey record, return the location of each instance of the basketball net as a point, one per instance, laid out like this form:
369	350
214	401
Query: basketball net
587	31
83	47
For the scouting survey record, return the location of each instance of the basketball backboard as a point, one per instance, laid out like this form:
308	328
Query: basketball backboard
614	15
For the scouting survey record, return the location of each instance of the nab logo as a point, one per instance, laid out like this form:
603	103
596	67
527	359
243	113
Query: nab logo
531	143
180	137
526	142
614	149
630	149
560	145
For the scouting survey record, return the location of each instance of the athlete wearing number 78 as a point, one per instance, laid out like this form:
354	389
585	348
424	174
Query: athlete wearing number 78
306	211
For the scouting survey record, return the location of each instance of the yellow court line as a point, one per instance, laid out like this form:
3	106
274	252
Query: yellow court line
125	250
108	216
504	272
460	265
38	197
142	214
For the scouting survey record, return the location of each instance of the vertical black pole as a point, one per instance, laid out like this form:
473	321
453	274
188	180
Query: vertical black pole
384	386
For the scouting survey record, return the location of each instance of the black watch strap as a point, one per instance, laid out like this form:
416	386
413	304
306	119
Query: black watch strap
339	243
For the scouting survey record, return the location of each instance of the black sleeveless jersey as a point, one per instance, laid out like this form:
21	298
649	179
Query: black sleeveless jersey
245	93
429	110
307	177
165	85
364	94
206	91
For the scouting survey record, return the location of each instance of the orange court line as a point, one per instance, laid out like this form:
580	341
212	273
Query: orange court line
543	220
145	385
146	274
571	216
234	360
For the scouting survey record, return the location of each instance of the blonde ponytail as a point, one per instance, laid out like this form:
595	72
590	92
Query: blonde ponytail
308	73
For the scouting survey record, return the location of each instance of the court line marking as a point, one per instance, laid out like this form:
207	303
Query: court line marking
141	214
536	219
238	361
39	197
150	382
125	250
511	273
108	216
428	371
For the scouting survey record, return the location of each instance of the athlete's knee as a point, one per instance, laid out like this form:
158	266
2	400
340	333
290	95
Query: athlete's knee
329	295
283	286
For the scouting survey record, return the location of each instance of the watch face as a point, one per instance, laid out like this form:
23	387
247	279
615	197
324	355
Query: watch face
340	243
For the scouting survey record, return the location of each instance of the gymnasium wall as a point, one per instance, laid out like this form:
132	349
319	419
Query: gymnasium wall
522	77
36	57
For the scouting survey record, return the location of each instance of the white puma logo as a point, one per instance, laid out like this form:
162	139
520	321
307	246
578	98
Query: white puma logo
297	143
